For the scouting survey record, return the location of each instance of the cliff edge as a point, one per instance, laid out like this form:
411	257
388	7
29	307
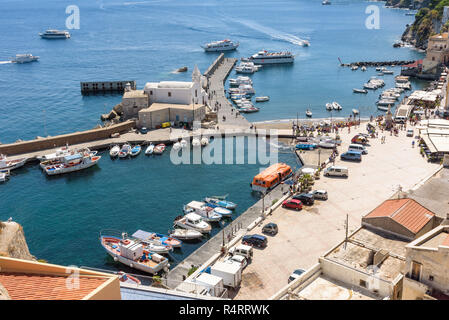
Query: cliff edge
12	241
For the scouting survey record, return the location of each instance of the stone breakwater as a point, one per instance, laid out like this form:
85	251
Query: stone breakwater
378	63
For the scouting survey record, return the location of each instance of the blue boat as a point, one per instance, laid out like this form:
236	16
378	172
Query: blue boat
305	146
135	150
214	202
153	236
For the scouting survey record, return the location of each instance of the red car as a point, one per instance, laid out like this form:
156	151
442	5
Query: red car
292	204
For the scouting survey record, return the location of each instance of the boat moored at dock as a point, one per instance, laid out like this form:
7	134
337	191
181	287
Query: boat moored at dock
193	221
265	57
71	163
221	203
135	151
148	237
359	90
185	234
149	149
6	164
125	151
221	45
207	213
115	150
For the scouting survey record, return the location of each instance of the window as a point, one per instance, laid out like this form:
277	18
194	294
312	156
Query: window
430	278
363	283
151	92
169	94
196	93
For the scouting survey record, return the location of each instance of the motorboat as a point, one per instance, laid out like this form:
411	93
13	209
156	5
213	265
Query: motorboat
134	254
221	203
354	68
54	160
153	245
196	142
185	234
246	89
305	43
59	153
149	149
193	221
355	111
370	86
3	177
135	150
245	69
363	68
265	57
55	34
204	141
71	163
325	2
336	106
309	113
183	144
386	102
176	146
222	45
8	164
167	241
240	80
388	72
126	278
159	149
25	58
125	150
114	151
262	99
360	90
200	208
382	108
248	109
329	106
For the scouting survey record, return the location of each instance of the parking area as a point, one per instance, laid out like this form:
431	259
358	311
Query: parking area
307	234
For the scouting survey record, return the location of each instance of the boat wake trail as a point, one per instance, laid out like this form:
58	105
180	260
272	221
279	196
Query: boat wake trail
274	34
5	62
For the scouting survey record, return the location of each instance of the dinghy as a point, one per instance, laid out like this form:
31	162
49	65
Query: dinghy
135	150
114	151
124	151
149	149
204	141
124	277
262	99
196	142
200	208
309	113
159	149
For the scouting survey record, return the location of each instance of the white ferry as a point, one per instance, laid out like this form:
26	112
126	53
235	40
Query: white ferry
265	57
222	45
71	163
25	58
55	34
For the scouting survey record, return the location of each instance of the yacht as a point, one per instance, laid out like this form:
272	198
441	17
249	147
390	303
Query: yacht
309	113
25	58
240	80
222	45
265	57
55	34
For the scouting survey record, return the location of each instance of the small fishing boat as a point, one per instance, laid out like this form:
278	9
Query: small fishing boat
73	163
177	146
262	99
193	221
185	234
58	154
363	68
204	141
355	111
223	212
125	150
354	68
5	163
115	150
200	208
221	203
309	113
126	278
336	106
135	150
196	142
360	90
153	245
153	236
329	106
159	149
248	109
133	253
149	149
183	143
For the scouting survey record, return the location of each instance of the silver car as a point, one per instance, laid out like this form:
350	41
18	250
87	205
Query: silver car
319	194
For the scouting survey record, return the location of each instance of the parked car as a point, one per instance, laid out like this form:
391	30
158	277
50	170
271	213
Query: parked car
237	259
305	198
336	171
242	250
359	139
255	240
410	133
270	228
305	146
358	147
143	130
292	204
319	194
351	155
295	275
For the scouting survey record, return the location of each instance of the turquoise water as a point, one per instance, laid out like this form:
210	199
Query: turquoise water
146	41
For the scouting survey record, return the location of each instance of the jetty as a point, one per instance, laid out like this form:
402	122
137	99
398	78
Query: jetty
101	87
377	63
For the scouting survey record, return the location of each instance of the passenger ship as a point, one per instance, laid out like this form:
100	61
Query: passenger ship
265	57
222	45
271	177
55	34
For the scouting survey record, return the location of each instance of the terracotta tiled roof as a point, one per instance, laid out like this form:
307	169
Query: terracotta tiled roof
407	212
22	286
446	241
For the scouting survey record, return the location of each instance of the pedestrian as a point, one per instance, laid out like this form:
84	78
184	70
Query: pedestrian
413	143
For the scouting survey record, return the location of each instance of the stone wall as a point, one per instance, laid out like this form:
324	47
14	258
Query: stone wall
62	140
12	241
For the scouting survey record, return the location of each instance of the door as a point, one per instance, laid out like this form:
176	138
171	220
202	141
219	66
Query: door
416	270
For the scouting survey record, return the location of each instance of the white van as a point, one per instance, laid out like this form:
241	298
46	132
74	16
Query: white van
358	147
336	171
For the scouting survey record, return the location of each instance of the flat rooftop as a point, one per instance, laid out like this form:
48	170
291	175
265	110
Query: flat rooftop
438	240
163	106
135	94
326	288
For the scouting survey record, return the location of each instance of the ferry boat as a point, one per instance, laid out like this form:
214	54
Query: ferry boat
55	34
25	58
133	254
185	234
265	57
159	149
200	208
153	236
73	163
6	164
193	221
271	177
222	45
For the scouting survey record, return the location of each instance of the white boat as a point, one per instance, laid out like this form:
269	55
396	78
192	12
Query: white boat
193	221
25	58
248	109
159	149
240	80
185	234
204	141
176	146
4	175
388	72
134	254
329	106
359	90
73	163
149	149
245	69
363	68
222	45
309	113
6	164
196	142
265	57
125	150
382	108
59	158
183	143
325	2
386	102
336	106
215	202
355	111
114	151
152	244
354	67
305	43
200	208
262	99
55	34
246	89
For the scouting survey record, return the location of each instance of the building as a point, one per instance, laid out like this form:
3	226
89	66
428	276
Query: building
426	268
403	218
133	101
32	280
435	134
177	114
437	52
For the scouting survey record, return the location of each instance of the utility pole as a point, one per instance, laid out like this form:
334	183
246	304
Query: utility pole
346	226
319	158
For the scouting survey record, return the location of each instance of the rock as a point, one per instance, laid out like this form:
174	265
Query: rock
12	241
118	109
182	69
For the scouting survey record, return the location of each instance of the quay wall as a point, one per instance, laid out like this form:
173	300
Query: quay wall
62	140
210	71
